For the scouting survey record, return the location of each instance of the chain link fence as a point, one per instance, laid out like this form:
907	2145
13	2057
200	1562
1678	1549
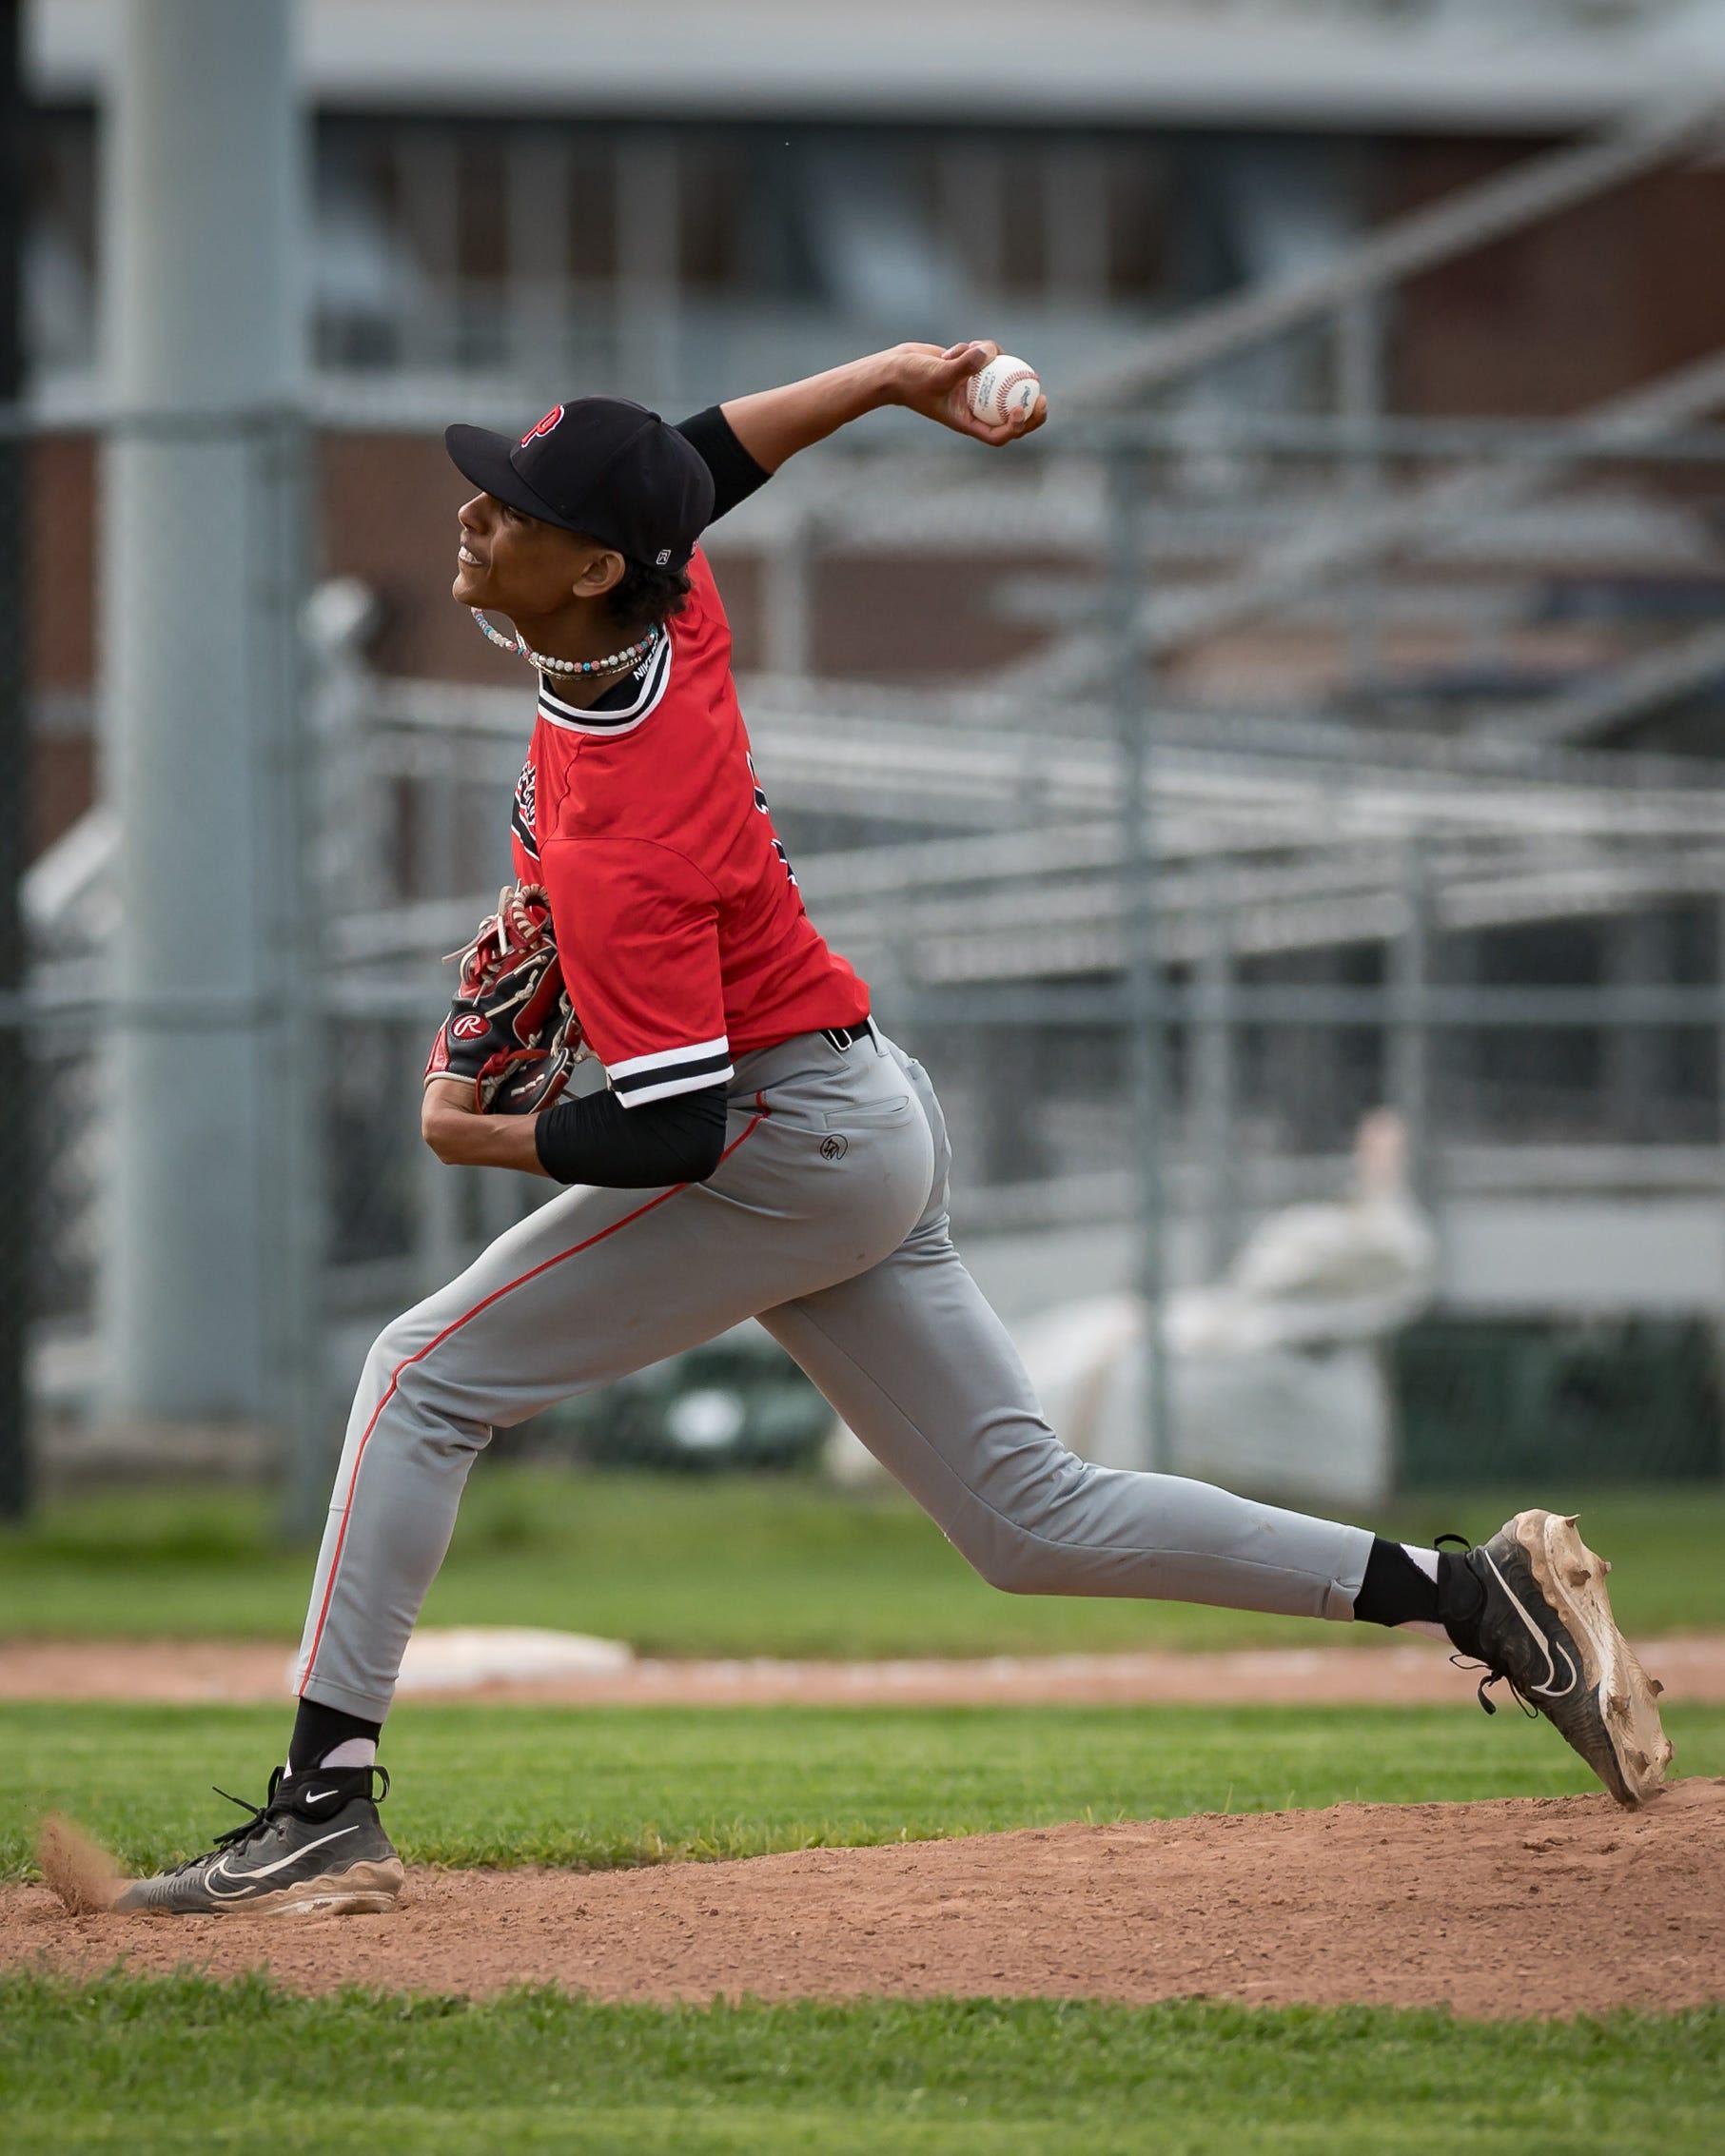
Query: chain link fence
1182	831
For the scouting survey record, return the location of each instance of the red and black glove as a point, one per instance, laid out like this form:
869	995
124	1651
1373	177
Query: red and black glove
510	1032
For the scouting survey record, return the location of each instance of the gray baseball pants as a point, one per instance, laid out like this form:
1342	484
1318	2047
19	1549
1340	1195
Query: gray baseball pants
826	1220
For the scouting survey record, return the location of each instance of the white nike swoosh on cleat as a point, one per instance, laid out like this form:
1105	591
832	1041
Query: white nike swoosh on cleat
1551	1689
247	1881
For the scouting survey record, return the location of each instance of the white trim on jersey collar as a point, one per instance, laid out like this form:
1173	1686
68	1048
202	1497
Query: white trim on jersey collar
622	718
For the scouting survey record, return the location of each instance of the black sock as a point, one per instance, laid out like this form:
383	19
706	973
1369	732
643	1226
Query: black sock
317	1729
1395	1590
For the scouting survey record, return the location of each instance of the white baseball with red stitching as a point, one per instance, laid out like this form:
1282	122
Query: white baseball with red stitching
1004	385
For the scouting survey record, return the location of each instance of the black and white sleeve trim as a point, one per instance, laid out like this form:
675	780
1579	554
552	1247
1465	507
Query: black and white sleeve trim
642	1078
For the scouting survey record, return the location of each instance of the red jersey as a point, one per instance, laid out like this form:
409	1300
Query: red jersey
683	936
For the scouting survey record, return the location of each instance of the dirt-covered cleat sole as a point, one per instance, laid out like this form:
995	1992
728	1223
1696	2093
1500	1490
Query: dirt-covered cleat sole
1531	1605
365	1889
1571	1578
315	1847
375	1894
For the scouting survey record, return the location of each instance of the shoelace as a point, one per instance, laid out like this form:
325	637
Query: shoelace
257	1816
260	1813
1497	1677
1478	1662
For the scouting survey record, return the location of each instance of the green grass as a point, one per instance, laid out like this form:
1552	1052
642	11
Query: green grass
733	1566
612	1786
191	2066
184	2064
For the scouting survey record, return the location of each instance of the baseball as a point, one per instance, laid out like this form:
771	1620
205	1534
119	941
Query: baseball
1004	385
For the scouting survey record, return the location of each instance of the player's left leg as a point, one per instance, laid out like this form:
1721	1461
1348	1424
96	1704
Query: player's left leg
924	1372
592	1285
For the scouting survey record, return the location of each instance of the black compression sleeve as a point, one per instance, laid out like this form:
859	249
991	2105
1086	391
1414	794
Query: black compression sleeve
736	474
595	1139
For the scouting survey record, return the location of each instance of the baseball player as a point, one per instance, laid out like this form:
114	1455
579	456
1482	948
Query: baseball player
760	1150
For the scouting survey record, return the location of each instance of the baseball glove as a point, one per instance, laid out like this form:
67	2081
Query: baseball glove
510	1032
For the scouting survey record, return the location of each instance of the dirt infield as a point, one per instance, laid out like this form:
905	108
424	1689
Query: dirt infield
1526	1907
187	1672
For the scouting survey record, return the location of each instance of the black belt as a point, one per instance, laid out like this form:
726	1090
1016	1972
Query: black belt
842	1037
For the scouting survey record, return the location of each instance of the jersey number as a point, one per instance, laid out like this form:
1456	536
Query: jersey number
760	802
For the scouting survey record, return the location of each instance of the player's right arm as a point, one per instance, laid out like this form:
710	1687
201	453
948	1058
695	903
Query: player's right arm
774	424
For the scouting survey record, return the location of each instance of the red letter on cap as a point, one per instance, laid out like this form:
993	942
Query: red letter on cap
544	426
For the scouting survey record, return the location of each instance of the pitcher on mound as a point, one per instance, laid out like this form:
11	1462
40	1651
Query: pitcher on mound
760	1150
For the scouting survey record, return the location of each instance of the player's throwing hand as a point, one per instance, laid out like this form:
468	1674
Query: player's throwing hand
939	383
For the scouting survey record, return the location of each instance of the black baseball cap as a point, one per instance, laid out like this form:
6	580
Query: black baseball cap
602	466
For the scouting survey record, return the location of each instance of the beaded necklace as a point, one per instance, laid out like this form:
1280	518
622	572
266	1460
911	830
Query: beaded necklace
619	662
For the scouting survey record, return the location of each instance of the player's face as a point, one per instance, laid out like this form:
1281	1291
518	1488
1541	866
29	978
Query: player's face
521	566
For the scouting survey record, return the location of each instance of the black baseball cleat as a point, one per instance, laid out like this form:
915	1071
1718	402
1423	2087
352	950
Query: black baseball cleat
1531	1604
315	1847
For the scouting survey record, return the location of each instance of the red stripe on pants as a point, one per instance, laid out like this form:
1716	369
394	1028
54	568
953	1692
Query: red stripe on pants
455	1325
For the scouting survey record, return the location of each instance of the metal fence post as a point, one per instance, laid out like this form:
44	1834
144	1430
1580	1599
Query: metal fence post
788	609
1718	978
204	206
648	289
1129	480
18	1159
1214	1080
1718	982
1638	955
1359	403
1409	1059
297	1202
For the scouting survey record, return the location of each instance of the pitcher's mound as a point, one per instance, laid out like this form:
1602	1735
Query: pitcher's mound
1530	1907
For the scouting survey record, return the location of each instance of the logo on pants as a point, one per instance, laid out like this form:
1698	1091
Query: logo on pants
834	1149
